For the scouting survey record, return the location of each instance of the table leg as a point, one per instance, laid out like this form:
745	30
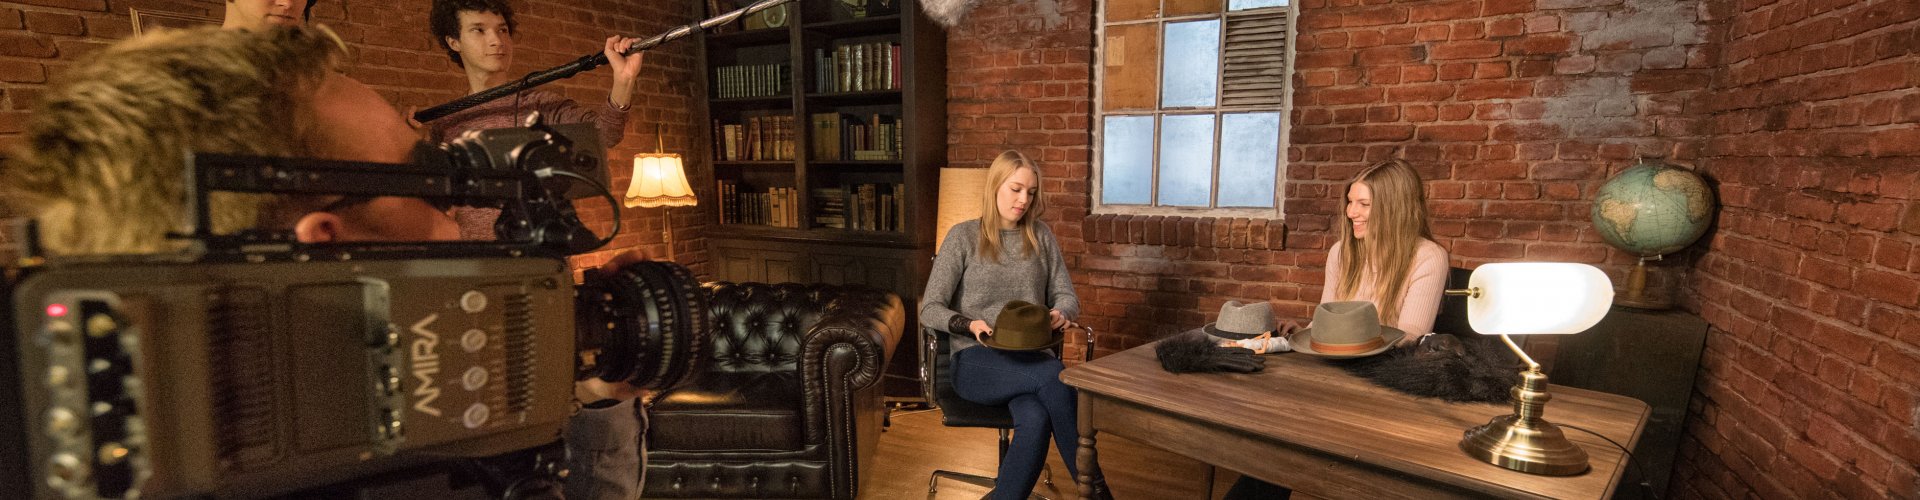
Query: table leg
1084	459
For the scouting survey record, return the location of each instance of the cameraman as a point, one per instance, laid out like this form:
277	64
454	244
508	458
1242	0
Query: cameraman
101	172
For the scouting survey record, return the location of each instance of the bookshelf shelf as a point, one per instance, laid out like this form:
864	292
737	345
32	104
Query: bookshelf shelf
763	36
787	164
854	98
773	100
858	26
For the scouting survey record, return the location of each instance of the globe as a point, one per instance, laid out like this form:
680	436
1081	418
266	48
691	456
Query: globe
1652	209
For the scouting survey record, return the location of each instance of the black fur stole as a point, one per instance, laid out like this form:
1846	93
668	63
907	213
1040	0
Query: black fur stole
1444	366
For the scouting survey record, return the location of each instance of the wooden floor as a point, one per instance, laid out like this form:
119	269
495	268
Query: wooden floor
917	443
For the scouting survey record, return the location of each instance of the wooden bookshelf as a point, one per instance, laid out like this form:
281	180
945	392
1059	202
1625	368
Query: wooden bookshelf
891	136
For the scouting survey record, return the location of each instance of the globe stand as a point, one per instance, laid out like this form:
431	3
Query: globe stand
1636	295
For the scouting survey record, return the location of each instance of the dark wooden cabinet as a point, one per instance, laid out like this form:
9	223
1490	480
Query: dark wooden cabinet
840	114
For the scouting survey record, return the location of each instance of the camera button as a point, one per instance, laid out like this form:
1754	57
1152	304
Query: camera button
473	301
474	379
476	415
474	340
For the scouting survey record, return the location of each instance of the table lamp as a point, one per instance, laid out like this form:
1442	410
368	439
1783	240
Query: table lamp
960	197
660	180
1525	298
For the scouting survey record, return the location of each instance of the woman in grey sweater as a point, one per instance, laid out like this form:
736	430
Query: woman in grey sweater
1006	255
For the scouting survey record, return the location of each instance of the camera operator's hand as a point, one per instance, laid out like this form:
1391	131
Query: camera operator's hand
626	68
593	389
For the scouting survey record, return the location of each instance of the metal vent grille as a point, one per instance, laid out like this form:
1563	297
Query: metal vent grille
1255	73
243	377
519	342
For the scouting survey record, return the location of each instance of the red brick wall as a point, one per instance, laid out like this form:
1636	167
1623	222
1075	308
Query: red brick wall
1514	110
1812	372
394	53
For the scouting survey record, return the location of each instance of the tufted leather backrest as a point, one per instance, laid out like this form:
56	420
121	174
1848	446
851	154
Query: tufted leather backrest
761	327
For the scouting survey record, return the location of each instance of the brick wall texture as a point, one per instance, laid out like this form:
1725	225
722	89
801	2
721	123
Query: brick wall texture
1801	113
393	52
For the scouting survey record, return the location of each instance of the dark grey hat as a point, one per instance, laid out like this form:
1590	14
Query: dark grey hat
1239	321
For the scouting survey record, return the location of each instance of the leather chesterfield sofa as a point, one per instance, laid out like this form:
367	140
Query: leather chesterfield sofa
790	405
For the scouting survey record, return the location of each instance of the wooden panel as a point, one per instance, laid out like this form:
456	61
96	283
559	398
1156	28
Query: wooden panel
1132	73
740	264
1191	7
1255	72
1132	10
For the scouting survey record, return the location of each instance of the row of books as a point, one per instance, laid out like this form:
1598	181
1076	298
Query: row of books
840	136
760	138
750	80
857	67
778	207
869	207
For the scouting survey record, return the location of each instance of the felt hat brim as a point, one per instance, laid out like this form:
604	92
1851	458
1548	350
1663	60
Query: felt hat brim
1217	332
1303	343
990	342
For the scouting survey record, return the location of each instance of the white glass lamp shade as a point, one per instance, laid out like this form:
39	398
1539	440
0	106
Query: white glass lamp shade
960	194
659	180
1524	298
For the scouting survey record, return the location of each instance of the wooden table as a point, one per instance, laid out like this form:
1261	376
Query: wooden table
1308	425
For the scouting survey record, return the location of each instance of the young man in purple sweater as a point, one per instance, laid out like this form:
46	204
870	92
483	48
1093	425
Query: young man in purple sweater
478	36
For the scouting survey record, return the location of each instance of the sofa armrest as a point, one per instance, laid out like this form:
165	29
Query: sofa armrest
863	322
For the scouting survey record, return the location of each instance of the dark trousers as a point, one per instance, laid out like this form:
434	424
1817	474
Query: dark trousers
1028	384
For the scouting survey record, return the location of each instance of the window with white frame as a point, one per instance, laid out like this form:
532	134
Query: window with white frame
1191	117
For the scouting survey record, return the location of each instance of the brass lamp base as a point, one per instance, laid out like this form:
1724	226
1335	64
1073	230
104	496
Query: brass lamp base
1523	441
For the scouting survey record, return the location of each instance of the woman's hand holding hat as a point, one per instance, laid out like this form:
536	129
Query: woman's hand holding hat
980	330
1058	321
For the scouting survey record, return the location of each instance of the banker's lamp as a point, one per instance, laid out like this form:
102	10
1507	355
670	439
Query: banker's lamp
960	196
660	180
1526	298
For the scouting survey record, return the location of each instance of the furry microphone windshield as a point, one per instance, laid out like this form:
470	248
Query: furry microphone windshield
946	12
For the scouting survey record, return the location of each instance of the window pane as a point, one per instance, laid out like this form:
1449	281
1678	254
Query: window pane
1250	156
1253	4
1127	160
1186	160
1190	66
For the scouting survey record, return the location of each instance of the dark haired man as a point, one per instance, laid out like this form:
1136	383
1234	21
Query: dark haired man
478	36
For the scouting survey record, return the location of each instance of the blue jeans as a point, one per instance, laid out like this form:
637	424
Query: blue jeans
1028	383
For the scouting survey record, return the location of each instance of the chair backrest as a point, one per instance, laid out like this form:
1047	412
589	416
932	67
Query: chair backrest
1452	316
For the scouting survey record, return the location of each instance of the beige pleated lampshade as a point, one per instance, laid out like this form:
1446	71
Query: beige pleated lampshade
960	195
659	180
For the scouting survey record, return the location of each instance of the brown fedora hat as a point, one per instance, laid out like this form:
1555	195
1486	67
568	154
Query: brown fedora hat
1343	330
1022	326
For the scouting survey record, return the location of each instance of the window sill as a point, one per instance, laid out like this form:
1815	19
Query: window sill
1196	232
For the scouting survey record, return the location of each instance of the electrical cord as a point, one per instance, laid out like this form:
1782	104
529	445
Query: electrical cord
598	188
1646	479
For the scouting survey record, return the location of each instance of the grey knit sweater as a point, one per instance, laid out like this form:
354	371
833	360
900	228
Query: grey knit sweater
967	285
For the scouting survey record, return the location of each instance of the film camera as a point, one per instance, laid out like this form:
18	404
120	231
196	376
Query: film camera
252	365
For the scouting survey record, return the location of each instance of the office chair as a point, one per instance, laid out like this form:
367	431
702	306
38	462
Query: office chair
937	386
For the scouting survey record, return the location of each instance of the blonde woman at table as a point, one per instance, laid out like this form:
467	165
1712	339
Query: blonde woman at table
1005	255
1386	255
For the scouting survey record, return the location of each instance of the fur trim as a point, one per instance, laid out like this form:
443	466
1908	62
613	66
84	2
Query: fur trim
1458	369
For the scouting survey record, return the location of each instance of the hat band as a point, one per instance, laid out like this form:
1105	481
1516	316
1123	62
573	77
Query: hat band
1349	348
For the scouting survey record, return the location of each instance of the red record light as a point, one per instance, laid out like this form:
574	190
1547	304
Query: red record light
56	310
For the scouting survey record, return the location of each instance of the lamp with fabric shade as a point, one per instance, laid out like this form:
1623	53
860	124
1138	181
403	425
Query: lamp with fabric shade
1531	298
960	190
660	180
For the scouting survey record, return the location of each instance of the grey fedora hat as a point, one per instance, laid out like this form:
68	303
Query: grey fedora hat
1343	330
1239	321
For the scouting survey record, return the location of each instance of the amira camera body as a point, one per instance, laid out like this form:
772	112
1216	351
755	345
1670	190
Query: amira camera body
249	365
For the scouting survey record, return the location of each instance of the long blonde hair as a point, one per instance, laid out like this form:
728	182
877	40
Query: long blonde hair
1397	225
1004	166
102	165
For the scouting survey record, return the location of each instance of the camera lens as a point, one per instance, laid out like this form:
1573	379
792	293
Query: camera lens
645	324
